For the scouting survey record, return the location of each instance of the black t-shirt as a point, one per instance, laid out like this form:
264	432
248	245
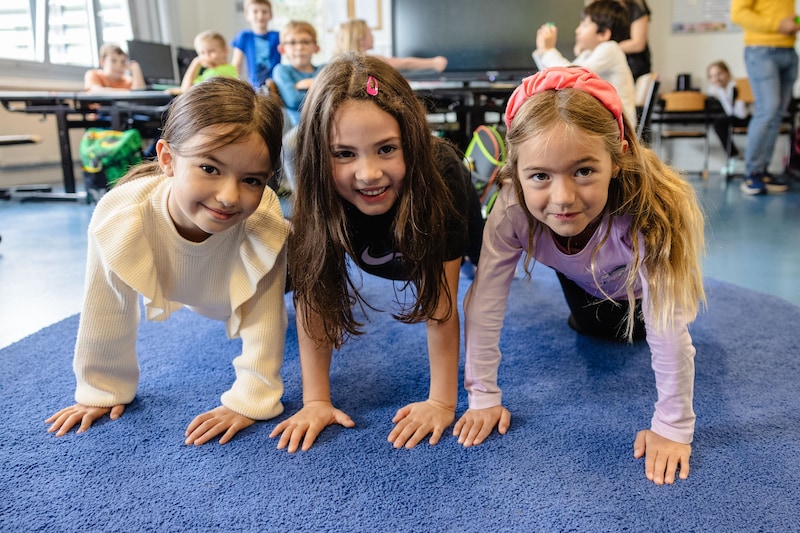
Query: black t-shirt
372	238
639	62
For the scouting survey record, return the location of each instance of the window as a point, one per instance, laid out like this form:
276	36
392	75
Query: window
61	32
16	30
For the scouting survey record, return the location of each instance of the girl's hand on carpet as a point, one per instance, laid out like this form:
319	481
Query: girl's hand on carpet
66	418
415	421
476	424
308	422
662	457
210	424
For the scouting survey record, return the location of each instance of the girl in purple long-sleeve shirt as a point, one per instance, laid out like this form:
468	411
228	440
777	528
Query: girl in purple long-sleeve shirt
624	233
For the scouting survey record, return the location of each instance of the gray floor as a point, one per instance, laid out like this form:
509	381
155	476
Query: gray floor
753	242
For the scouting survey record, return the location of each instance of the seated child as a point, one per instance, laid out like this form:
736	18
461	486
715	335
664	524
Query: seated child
211	60
298	44
603	25
722	87
116	72
355	35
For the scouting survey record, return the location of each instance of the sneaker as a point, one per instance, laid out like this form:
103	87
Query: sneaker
753	184
775	183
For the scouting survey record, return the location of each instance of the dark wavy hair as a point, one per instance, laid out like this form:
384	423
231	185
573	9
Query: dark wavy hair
319	245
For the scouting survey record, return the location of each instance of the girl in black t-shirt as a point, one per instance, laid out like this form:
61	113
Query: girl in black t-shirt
376	188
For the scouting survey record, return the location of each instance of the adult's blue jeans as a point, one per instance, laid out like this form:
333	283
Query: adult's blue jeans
772	73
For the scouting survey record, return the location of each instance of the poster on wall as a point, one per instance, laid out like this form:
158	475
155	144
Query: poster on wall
702	16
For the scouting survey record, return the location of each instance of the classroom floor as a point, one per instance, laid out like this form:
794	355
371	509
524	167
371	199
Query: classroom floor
753	242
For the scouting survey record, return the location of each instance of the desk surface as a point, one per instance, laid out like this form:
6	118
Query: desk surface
149	97
65	97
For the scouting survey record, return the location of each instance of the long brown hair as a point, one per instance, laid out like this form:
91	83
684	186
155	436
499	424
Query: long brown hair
661	203
319	245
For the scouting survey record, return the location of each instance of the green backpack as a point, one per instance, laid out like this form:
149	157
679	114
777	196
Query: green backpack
106	155
485	155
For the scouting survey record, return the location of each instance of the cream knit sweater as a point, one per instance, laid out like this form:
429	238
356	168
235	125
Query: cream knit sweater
237	276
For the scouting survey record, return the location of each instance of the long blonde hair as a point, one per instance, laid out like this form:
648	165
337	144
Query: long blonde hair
662	205
349	36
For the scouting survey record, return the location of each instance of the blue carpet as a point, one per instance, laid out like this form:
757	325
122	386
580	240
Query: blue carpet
565	465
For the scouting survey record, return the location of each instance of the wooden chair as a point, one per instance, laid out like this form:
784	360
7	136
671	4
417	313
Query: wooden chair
684	116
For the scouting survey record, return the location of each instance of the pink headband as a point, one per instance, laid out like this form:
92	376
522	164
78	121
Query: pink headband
557	78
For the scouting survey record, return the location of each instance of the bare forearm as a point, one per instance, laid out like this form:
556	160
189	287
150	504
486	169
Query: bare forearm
638	41
443	342
315	362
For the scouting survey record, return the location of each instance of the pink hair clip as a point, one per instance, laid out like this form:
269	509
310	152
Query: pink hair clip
372	86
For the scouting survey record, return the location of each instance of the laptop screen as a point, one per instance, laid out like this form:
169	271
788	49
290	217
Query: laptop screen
157	61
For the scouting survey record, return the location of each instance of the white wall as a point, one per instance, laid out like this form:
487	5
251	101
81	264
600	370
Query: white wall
672	54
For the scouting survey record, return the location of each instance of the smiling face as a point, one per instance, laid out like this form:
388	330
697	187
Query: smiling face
368	163
565	177
214	188
718	76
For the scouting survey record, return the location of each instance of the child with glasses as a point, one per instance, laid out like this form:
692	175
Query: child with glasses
298	44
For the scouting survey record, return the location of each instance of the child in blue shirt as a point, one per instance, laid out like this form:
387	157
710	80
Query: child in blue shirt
298	44
257	47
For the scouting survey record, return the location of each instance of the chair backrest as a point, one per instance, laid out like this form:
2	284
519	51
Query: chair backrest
684	101
642	87
743	91
645	118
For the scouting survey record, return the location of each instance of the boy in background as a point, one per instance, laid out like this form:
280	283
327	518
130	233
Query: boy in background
256	48
116	72
603	25
211	60
298	44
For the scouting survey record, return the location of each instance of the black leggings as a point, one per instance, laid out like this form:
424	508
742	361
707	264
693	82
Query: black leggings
599	317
